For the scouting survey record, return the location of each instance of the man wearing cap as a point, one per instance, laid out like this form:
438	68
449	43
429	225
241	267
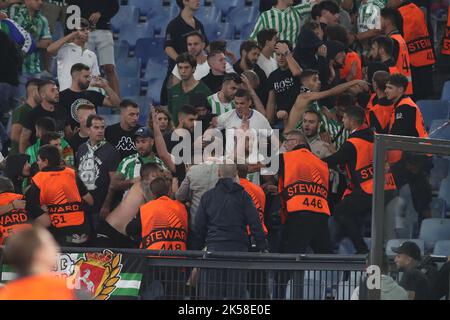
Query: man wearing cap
413	280
128	170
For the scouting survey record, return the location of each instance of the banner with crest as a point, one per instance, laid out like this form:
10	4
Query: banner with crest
105	275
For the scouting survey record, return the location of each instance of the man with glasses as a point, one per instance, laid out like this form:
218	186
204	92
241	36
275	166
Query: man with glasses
71	50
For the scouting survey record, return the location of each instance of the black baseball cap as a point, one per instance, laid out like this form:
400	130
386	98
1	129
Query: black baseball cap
144	132
409	248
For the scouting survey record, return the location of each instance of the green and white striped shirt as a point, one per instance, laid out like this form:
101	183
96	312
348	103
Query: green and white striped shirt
219	107
130	166
38	28
287	22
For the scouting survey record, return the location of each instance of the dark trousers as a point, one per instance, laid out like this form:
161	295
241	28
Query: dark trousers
422	82
302	230
348	212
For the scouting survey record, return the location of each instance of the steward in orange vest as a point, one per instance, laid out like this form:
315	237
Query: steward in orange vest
350	58
446	43
303	186
62	193
161	224
356	155
14	220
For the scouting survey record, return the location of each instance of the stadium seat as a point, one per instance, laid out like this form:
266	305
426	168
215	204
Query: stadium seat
246	31
395	243
127	15
438	208
146	7
433	230
439	172
446	91
59	31
132	33
130	86
442	248
240	17
121	49
104	110
215	31
234	46
154	90
160	21
128	67
147	48
111	119
433	109
208	14
444	191
225	6
440	129
155	70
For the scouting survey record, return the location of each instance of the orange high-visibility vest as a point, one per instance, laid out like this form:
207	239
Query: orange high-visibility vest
395	155
259	199
416	35
403	62
13	221
164	225
304	183
446	43
59	192
40	287
350	57
378	116
363	172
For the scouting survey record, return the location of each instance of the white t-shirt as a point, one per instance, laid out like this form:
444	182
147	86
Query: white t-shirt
268	65
201	71
70	54
369	15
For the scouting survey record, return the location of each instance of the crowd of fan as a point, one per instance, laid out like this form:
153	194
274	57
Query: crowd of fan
305	66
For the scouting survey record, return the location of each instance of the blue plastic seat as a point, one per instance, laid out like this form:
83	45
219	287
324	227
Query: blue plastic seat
395	243
446	91
235	46
442	248
433	230
246	31
433	109
225	6
154	90
147	48
155	70
240	17
121	49
215	31
111	119
438	208
208	14
160	21
130	86
147	7
127	15
132	33
128	67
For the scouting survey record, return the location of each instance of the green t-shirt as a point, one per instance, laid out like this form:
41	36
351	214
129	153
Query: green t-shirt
18	116
130	166
178	98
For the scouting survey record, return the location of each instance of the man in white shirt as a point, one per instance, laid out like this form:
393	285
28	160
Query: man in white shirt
267	39
248	123
71	50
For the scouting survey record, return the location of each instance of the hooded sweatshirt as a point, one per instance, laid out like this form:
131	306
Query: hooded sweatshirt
222	218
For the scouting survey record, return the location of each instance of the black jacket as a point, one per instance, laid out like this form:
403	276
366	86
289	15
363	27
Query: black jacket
222	218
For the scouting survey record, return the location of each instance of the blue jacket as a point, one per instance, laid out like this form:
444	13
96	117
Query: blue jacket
222	218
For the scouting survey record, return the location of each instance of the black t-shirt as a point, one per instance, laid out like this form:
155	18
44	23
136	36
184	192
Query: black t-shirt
68	98
286	88
76	141
414	280
176	32
94	169
122	140
59	115
214	83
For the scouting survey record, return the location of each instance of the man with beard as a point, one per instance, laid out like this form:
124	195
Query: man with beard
179	95
310	128
250	52
81	80
49	107
381	53
72	49
223	101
